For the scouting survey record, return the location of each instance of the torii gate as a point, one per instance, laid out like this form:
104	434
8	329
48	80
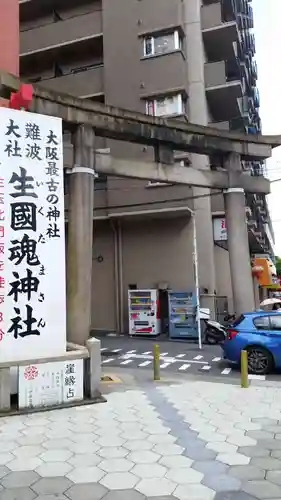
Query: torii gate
87	120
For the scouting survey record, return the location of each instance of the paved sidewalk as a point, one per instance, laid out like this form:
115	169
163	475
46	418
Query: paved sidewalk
191	441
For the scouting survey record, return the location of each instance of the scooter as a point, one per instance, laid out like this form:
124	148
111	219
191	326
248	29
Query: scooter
215	333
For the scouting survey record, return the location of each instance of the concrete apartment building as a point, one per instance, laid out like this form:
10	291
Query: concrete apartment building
191	59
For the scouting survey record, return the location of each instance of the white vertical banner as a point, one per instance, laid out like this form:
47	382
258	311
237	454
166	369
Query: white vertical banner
32	240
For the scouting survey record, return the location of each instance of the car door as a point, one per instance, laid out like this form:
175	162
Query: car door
274	334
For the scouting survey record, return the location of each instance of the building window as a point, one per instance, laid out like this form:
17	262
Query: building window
166	106
161	44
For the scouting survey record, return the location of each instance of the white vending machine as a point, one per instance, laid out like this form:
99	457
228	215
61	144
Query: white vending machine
144	318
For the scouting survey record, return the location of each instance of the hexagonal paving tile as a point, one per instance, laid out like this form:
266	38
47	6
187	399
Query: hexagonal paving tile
28	451
248	473
116	465
241	440
31	439
134	435
274	477
161	438
18	494
145	471
24	464
124	495
114	452
233	459
214	437
88	491
233	495
108	431
55	455
8	446
175	461
184	476
143	457
19	479
85	474
253	451
267	463
57	444
155	487
6	458
194	492
260	434
54	469
222	447
4	471
222	482
168	449
84	448
84	437
119	480
110	441
86	460
137	445
262	489
52	485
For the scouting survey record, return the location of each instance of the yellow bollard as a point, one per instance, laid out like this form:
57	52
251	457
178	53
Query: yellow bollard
156	357
244	370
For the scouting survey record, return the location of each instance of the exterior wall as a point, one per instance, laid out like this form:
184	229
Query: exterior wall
223	277
152	252
9	36
103	283
198	113
156	251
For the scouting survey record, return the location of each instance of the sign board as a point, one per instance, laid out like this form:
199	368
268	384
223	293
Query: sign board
219	229
32	240
49	384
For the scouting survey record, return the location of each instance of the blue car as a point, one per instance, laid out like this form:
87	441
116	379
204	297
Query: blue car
259	333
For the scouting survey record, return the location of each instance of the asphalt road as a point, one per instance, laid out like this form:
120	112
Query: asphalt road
175	356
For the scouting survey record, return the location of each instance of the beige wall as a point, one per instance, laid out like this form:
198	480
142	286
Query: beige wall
154	251
223	278
157	251
103	286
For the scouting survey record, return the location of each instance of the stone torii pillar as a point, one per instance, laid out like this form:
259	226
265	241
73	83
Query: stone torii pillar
80	236
238	242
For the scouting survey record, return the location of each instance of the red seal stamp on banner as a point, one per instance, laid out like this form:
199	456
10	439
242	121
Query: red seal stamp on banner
30	372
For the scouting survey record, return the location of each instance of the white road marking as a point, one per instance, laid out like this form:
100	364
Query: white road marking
107	361
215	360
112	335
126	362
167	359
180	355
146	363
184	367
256	377
197	358
206	368
103	349
164	365
163	353
116	350
131	352
147	352
226	371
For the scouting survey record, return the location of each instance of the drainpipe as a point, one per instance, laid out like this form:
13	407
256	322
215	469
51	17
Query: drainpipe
116	278
120	269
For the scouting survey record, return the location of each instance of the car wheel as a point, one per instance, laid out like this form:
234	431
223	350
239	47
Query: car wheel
260	361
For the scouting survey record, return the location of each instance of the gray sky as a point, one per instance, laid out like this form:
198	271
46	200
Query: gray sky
268	44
